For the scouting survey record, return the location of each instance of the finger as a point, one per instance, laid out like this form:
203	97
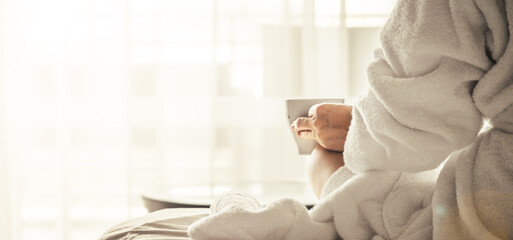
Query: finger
308	135
302	123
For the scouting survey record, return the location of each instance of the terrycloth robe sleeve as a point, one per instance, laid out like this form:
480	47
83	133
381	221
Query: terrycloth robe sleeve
419	107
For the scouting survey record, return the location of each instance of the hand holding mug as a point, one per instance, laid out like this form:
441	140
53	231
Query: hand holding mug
327	123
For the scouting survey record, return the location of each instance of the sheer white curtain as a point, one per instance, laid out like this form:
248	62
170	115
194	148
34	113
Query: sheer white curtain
104	100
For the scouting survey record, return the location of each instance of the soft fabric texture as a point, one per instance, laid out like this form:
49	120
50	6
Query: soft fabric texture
239	216
338	178
444	66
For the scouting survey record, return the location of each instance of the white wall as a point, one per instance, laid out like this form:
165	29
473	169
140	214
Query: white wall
362	43
286	61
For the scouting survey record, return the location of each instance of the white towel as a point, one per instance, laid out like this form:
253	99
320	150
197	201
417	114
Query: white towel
239	216
444	66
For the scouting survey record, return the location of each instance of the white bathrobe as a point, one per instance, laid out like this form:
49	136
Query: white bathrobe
444	66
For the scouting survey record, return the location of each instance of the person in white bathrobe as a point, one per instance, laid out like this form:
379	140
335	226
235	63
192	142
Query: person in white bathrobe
410	159
443	69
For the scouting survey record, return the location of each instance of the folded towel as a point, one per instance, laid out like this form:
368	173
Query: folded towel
240	216
235	199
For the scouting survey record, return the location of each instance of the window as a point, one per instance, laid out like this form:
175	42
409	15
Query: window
104	100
